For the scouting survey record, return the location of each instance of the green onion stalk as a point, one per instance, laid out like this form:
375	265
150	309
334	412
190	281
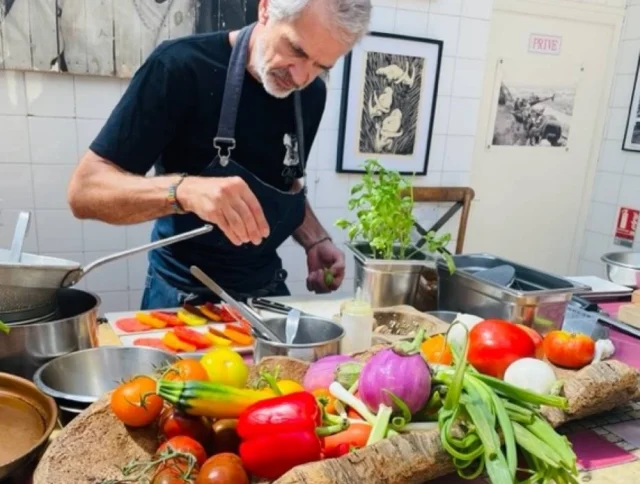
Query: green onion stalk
494	421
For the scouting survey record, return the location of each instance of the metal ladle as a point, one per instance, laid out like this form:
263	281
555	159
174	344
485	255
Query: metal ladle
22	227
249	315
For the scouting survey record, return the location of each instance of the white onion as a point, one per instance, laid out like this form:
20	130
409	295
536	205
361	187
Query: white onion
457	334
531	374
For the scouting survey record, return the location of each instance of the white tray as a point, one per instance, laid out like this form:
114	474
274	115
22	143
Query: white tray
127	339
112	318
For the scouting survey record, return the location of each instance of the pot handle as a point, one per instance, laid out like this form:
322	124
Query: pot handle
74	276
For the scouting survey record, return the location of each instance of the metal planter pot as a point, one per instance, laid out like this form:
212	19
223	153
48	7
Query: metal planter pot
29	346
388	283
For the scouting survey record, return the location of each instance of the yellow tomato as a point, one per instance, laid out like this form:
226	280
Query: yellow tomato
287	387
225	366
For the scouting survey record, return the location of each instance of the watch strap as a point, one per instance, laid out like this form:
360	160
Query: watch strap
173	198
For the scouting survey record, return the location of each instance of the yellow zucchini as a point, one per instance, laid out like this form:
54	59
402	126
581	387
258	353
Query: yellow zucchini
208	399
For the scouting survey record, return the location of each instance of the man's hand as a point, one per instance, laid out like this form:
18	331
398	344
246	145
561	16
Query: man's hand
326	267
228	203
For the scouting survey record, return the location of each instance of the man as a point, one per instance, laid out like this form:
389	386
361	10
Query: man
191	103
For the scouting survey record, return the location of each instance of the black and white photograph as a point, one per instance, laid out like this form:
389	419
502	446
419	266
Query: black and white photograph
388	103
533	116
391	95
105	37
631	141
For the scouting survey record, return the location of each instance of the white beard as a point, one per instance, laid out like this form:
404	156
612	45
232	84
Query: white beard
269	83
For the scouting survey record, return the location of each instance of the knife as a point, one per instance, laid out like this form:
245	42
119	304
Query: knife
250	316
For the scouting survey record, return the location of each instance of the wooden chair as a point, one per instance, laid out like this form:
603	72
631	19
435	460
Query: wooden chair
461	196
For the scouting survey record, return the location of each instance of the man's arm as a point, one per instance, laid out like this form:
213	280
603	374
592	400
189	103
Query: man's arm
311	231
101	190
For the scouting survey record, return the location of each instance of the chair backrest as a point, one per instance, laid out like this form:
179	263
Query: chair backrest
461	196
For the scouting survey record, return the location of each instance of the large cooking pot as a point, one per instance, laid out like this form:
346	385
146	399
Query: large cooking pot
28	287
28	346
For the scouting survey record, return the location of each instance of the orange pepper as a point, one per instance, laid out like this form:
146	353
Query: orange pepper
238	337
436	350
324	393
146	318
209	314
217	340
176	344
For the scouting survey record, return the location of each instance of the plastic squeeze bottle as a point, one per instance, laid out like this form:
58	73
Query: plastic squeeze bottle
357	321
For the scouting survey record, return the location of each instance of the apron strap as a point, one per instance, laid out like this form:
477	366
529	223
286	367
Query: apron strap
225	140
302	157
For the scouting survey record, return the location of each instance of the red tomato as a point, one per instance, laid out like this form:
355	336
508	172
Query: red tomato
355	436
568	349
186	370
192	337
494	344
173	473
223	469
537	340
135	403
185	445
174	423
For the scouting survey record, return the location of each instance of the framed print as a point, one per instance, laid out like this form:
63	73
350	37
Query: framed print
632	133
388	103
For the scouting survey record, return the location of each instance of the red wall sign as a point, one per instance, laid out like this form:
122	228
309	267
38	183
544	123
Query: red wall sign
626	226
545	44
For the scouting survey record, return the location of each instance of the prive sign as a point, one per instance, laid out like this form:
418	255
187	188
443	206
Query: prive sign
545	44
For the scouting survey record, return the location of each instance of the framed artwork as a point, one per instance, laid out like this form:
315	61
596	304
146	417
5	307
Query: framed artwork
632	133
388	103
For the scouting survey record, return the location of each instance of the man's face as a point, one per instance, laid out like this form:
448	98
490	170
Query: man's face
290	55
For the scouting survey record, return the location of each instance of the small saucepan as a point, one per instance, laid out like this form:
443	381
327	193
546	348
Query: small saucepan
316	338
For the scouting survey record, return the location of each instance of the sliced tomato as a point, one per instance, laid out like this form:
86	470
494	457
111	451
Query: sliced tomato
229	315
131	325
199	340
170	318
152	343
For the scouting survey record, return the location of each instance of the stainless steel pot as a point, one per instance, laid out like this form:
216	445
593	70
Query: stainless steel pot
388	283
29	346
84	376
623	268
29	286
315	339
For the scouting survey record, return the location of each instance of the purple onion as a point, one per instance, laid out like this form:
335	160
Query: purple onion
322	373
399	370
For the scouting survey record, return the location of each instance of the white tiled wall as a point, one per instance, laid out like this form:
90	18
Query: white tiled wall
617	180
48	120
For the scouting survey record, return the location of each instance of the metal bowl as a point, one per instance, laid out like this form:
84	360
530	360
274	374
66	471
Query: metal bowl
84	376
27	419
316	338
623	268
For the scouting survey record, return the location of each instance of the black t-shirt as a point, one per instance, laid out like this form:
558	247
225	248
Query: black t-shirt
169	116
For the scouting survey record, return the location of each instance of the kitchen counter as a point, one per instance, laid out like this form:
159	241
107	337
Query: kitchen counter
329	306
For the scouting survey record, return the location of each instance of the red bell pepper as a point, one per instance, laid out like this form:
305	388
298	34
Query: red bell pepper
281	433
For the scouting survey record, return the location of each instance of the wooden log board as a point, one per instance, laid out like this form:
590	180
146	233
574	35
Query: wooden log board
95	445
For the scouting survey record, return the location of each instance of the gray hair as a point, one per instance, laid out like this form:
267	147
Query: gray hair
350	17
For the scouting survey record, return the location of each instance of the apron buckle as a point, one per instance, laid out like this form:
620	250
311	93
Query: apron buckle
227	144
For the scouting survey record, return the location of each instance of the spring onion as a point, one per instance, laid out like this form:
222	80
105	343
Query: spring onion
496	419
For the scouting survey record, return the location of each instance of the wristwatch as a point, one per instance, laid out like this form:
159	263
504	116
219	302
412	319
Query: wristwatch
172	196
